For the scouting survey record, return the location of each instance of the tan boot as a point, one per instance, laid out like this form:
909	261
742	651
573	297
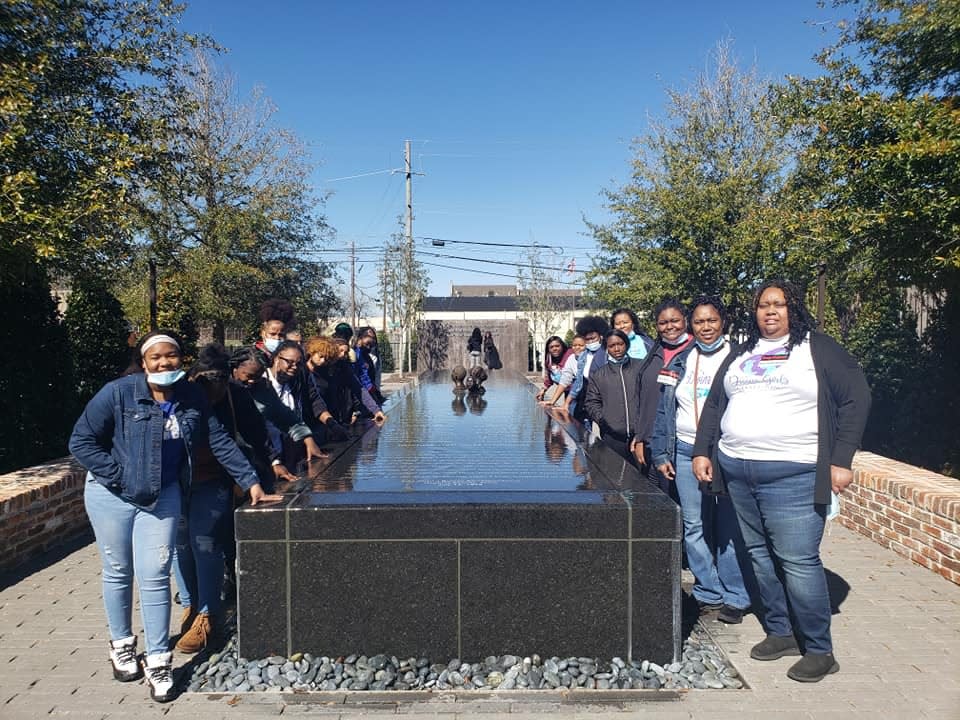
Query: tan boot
196	638
186	619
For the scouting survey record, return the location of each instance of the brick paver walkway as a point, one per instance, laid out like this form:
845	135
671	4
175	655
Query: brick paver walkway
897	634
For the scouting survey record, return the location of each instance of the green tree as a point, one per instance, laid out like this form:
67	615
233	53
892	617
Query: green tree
876	186
233	219
81	82
689	219
98	336
37	402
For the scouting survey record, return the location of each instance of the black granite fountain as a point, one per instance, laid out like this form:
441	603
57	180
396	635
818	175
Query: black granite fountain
464	527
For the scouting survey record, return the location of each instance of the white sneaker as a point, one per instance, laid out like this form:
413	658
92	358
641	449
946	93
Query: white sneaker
159	673
123	658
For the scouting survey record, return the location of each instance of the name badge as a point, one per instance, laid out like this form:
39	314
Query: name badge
668	377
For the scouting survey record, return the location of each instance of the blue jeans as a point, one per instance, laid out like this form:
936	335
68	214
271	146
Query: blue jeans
711	538
200	538
782	529
135	542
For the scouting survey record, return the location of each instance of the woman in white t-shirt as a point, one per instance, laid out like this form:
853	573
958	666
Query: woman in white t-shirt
784	417
711	537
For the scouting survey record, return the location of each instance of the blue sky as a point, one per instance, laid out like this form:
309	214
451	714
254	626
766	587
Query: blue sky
520	112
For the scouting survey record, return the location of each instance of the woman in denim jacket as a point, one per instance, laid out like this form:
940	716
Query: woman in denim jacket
711	537
136	438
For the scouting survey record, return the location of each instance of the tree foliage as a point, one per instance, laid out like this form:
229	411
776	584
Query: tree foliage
79	82
687	222
232	218
98	335
37	406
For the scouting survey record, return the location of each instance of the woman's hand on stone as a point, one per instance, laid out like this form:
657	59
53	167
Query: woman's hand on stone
666	469
313	450
840	478
703	469
281	473
257	495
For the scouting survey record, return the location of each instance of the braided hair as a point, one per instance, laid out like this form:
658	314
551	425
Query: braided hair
798	317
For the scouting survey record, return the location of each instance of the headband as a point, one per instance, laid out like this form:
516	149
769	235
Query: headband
147	344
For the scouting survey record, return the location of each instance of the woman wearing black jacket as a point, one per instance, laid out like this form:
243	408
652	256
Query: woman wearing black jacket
613	398
784	417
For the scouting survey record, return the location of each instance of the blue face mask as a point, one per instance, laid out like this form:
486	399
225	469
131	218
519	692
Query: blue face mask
166	378
593	346
614	361
631	335
679	341
712	347
271	344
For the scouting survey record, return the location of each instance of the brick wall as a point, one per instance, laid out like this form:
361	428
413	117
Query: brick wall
40	507
914	512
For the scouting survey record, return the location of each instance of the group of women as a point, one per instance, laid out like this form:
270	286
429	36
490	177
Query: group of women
752	439
167	451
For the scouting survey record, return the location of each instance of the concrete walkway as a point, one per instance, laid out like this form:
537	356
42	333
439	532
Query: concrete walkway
896	631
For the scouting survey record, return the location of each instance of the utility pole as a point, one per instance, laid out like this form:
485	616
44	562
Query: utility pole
409	175
383	293
353	282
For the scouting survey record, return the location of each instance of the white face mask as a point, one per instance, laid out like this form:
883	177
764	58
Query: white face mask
271	344
593	346
166	378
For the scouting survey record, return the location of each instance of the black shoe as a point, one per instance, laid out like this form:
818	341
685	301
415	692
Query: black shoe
775	647
730	615
813	668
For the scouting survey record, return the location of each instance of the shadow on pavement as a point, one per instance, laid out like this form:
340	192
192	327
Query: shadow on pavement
42	562
838	588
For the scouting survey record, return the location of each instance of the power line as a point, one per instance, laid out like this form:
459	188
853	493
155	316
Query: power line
500	262
488	272
494	244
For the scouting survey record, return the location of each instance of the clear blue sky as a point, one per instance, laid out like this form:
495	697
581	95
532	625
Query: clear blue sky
520	112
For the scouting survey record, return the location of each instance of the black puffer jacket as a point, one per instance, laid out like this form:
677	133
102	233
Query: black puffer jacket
613	399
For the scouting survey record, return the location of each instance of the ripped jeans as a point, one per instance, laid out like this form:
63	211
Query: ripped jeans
135	542
200	538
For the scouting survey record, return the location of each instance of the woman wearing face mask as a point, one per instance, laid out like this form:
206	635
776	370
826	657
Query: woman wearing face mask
275	315
710	533
137	438
205	525
559	371
626	321
592	329
672	339
784	417
613	393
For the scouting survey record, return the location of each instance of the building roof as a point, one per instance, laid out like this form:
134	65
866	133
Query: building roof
467	303
496	303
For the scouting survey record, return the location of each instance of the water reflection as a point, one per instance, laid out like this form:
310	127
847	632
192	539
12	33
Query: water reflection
486	443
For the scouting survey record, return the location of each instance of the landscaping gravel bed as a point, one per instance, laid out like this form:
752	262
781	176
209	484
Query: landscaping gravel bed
702	666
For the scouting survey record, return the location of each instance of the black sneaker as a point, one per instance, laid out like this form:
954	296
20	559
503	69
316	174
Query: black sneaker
775	647
730	615
813	668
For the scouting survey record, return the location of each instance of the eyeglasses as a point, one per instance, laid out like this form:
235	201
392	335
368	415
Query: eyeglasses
288	362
